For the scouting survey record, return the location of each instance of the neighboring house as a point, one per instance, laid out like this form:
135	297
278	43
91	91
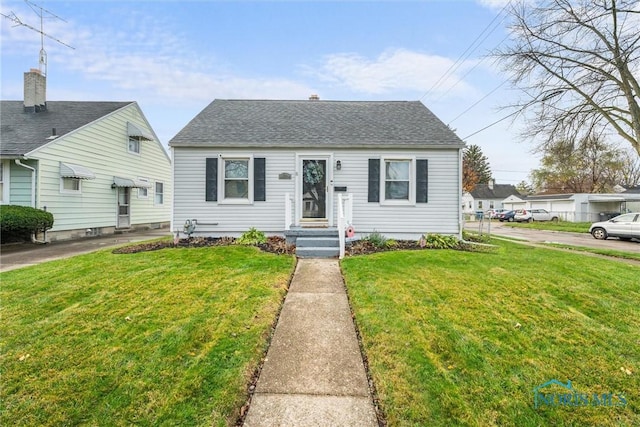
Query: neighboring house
487	196
578	207
98	167
275	165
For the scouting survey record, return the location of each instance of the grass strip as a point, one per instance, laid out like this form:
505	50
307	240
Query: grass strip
169	337
457	338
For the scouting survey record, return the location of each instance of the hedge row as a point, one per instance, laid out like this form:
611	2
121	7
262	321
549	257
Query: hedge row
22	221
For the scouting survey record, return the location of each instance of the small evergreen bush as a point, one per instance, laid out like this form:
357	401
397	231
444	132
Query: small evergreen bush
19	222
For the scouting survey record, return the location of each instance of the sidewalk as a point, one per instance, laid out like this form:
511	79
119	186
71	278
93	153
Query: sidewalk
22	255
313	374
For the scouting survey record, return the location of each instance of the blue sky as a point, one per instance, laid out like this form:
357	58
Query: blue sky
175	57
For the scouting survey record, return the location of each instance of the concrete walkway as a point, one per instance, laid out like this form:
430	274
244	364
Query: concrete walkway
313	374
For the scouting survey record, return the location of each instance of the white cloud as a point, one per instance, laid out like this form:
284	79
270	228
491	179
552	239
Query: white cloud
393	70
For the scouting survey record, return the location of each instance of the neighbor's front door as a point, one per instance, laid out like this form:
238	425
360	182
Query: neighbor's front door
314	189
124	207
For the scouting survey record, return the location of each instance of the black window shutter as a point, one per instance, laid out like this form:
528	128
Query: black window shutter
259	180
374	180
422	180
211	180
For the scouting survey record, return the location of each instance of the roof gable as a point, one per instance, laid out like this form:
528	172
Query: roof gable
499	191
22	132
260	123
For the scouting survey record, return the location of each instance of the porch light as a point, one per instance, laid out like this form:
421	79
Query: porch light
338	165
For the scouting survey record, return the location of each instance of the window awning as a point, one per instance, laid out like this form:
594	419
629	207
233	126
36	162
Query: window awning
131	183
136	131
69	170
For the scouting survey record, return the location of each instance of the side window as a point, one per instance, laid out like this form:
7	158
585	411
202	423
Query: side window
134	145
70	185
159	193
143	193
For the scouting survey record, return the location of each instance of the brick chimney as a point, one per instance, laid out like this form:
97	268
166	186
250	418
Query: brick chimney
35	91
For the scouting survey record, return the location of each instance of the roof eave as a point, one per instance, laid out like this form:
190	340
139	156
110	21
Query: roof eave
318	145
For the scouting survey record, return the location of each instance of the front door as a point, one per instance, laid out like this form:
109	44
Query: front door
124	207
314	189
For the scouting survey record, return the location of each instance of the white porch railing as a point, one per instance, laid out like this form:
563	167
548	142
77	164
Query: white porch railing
288	205
345	209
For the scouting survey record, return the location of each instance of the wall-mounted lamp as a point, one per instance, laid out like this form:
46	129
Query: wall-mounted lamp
338	165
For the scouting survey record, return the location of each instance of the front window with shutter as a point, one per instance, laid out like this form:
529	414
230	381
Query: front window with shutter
398	181
235	179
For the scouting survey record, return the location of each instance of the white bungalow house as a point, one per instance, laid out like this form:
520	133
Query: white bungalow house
578	207
283	166
487	196
98	167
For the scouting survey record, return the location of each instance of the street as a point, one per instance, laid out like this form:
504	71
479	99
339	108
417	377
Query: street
544	236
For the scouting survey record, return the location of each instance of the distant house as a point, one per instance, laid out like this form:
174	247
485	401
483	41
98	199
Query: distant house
487	196
283	165
579	207
98	167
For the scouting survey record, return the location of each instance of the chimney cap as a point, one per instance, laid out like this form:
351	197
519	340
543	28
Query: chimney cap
314	97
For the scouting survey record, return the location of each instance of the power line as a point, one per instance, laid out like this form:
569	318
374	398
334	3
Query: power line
495	123
467	51
478	101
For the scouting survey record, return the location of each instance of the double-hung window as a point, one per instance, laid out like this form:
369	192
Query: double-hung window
397	181
159	193
236	179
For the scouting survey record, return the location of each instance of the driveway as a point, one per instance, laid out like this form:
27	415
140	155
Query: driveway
14	256
544	236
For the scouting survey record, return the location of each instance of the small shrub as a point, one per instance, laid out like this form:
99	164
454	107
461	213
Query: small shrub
377	240
19	222
252	237
438	241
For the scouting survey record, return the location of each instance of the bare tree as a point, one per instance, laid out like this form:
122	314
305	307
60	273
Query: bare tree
577	64
587	166
629	174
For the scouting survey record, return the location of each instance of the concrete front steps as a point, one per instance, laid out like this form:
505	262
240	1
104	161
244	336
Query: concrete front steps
315	242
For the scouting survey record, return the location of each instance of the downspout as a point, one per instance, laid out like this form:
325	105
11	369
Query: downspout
33	196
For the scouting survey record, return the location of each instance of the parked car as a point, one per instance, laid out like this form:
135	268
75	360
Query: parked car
624	227
506	216
530	215
493	213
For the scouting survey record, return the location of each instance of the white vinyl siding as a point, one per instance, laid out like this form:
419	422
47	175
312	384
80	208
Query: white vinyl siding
439	215
101	148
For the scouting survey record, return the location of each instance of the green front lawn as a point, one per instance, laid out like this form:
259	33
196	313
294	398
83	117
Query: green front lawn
573	227
458	338
170	337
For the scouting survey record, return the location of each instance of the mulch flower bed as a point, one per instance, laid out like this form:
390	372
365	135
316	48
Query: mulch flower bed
274	244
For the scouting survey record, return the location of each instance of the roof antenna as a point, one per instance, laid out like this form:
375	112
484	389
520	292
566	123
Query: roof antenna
40	11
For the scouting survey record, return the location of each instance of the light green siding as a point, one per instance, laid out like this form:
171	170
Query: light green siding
20	183
102	147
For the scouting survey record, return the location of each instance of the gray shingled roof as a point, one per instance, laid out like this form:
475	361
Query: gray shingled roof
269	123
499	191
21	132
